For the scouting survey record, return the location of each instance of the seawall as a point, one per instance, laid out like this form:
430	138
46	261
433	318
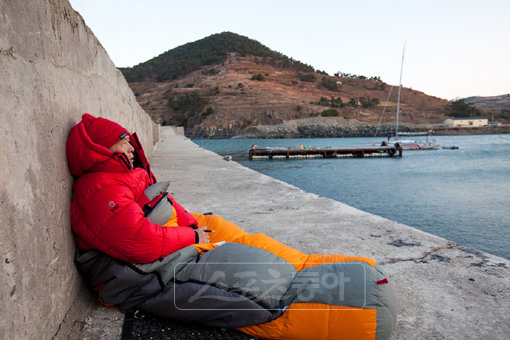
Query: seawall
444	290
52	70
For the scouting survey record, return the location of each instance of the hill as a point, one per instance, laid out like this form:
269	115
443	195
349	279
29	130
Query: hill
212	50
499	106
227	85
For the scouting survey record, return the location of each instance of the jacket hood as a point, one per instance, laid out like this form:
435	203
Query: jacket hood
83	155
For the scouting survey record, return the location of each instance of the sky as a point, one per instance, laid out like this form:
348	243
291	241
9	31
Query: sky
454	48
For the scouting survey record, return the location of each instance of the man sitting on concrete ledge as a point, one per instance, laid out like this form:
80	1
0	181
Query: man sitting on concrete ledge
111	173
141	250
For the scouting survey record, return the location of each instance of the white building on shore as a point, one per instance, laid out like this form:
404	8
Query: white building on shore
466	122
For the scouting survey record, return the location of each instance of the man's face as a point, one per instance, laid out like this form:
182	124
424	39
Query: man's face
125	147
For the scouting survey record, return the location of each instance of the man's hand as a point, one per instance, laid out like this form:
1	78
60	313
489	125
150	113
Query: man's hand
203	235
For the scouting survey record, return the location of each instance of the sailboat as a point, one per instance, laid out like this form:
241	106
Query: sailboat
409	144
413	144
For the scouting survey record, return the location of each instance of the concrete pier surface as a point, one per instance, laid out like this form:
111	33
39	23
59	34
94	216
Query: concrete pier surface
444	290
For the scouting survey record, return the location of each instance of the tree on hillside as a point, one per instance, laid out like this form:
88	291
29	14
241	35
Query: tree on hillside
459	108
352	102
308	77
333	102
329	113
258	77
329	83
190	102
368	102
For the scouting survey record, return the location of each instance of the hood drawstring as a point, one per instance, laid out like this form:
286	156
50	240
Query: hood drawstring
123	158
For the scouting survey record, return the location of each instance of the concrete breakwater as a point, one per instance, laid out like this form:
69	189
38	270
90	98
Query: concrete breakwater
445	290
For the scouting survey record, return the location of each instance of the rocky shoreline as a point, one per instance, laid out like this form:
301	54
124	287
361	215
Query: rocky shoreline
332	128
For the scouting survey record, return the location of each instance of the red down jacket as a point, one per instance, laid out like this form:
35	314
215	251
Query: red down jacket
107	206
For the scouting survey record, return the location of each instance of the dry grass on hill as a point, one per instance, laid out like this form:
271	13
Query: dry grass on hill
237	101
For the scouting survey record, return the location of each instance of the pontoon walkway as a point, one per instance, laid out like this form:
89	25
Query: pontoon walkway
382	151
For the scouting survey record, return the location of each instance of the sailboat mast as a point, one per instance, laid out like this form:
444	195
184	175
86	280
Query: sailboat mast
399	90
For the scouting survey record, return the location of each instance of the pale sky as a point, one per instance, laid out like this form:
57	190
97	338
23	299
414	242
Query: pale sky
454	48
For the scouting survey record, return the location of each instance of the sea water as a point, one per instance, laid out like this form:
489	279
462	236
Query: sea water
460	194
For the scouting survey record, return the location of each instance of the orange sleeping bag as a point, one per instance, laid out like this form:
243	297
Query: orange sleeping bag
370	314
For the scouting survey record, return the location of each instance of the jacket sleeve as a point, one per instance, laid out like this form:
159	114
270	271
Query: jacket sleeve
184	218
122	231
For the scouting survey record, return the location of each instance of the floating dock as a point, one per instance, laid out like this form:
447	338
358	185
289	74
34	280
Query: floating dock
283	153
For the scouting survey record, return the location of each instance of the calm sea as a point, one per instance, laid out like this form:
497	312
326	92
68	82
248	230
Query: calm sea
462	195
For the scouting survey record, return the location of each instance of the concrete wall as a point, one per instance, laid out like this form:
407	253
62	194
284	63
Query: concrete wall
52	69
